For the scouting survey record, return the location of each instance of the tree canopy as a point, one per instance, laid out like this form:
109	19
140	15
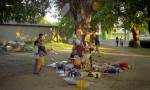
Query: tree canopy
132	14
21	11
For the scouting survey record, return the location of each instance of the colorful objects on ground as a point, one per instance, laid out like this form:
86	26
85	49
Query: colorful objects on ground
72	74
82	84
77	62
96	74
123	65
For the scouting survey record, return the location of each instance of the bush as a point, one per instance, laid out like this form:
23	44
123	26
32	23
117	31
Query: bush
144	43
131	43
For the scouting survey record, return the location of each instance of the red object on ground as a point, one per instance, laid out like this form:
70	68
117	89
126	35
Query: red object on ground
123	65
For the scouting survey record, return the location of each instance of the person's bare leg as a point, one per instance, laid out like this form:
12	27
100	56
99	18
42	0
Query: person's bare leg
41	68
36	67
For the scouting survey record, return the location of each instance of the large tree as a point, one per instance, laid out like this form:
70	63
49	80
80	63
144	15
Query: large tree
67	26
21	11
134	17
105	15
134	13
146	12
81	10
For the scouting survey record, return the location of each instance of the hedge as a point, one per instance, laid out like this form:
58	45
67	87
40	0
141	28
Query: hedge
144	43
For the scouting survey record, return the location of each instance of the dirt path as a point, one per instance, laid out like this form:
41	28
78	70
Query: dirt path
16	72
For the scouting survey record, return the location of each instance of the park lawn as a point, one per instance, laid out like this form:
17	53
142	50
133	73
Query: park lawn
58	46
141	51
55	46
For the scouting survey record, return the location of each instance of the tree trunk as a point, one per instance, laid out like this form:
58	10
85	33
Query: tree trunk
136	36
82	16
149	26
83	21
56	36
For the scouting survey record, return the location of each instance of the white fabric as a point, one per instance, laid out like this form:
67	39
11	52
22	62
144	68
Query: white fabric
35	50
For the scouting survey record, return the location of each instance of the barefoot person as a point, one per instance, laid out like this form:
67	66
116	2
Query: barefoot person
40	56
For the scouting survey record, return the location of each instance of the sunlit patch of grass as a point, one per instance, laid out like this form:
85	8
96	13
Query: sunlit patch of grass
55	46
58	46
106	49
141	51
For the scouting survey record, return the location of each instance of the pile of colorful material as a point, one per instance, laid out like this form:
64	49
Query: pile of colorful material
72	72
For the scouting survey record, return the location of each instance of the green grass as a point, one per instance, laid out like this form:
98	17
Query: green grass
58	46
141	51
55	46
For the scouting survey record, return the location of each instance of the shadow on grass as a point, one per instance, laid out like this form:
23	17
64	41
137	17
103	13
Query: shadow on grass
140	51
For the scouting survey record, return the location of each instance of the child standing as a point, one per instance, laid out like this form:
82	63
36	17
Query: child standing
40	55
42	52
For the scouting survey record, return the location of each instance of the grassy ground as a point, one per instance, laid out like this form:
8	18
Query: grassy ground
55	46
58	46
16	71
141	51
64	46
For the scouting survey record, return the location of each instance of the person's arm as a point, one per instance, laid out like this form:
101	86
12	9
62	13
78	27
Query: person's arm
45	51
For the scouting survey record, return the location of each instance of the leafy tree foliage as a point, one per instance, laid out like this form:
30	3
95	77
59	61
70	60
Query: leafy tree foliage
134	14
68	26
23	10
105	15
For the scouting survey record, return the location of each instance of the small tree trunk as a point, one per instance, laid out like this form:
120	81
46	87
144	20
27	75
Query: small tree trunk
136	36
82	17
149	26
83	21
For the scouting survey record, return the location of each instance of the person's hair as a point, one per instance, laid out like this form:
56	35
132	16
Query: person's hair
41	34
40	38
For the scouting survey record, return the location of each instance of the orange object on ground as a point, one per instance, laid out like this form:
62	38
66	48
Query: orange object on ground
77	62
